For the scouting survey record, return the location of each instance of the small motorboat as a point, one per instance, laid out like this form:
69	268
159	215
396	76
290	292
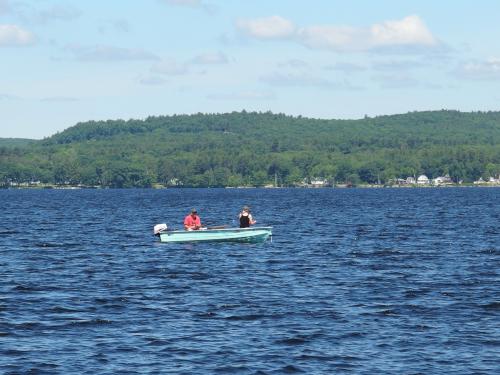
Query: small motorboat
254	234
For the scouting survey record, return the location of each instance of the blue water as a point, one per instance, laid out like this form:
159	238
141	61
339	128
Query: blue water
363	281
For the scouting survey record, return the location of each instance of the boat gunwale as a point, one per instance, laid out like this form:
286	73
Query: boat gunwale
216	230
255	234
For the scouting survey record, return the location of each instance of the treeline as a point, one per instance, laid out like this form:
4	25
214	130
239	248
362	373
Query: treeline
255	149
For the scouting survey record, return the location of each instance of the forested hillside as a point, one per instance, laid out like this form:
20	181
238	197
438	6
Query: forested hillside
15	142
254	149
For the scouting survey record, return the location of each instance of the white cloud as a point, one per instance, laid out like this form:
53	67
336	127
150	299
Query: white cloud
480	70
109	53
170	67
335	38
13	35
274	27
409	32
210	58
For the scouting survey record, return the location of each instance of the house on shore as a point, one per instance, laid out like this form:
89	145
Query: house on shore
314	182
411	180
319	182
491	181
423	180
442	180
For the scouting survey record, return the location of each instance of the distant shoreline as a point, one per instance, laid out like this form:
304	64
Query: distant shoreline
360	186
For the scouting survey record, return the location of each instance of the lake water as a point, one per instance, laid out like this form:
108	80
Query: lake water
365	281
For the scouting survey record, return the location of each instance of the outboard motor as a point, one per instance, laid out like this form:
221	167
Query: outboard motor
158	228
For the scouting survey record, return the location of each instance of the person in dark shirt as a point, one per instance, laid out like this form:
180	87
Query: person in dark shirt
246	218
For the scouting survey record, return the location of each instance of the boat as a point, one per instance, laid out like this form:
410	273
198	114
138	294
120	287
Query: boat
254	234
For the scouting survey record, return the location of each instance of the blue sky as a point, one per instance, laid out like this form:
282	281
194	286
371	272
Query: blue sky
63	62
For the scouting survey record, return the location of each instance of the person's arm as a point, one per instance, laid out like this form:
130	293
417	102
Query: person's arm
252	221
187	224
197	224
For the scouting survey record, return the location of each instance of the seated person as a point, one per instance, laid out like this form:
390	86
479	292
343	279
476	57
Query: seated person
192	221
246	218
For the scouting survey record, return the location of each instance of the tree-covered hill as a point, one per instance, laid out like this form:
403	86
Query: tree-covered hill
15	142
254	149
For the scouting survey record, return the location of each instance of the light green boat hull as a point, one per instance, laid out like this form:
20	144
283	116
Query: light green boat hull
256	234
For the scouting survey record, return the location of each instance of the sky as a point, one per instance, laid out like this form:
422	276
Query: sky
69	61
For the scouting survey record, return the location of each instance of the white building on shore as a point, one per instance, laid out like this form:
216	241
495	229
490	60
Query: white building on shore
491	181
423	180
442	180
411	180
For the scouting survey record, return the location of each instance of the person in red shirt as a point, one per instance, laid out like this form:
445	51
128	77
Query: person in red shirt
192	221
